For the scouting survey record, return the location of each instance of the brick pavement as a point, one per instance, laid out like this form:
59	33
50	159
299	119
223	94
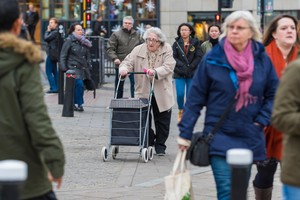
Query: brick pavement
127	177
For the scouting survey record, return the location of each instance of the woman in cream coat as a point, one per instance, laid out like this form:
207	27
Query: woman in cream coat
155	57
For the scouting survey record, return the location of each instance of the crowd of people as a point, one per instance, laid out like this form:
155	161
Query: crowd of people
236	63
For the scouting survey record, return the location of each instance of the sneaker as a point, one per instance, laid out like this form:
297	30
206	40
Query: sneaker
80	109
75	108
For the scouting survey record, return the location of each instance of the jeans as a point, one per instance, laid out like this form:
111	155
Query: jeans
78	92
51	72
182	85
121	85
290	192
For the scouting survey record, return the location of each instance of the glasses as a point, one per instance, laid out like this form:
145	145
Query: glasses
237	28
149	40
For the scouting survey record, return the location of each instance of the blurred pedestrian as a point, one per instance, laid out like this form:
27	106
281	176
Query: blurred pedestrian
285	118
99	29
236	68
52	38
156	58
31	20
187	53
24	34
280	39
119	45
214	31
75	55
26	130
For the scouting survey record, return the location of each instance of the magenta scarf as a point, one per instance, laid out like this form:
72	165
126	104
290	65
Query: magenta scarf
243	64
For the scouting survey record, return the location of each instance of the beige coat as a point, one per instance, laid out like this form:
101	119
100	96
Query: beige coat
137	60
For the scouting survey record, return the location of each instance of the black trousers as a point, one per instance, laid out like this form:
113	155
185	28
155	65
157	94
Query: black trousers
162	122
48	196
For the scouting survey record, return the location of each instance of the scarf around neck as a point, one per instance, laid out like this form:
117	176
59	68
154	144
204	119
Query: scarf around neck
82	40
243	64
277	58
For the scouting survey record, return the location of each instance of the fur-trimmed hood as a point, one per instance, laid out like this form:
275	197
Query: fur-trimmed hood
14	51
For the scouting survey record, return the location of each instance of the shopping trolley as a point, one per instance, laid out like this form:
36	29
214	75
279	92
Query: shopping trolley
129	125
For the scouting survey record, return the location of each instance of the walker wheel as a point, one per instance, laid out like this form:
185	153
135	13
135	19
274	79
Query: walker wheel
145	154
104	154
114	151
150	152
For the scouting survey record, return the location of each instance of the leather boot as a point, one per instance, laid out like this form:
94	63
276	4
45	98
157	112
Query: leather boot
179	115
263	194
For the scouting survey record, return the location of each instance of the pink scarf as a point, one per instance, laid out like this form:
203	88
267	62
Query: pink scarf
243	64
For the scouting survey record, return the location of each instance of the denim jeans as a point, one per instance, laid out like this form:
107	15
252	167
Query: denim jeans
51	72
182	86
222	176
78	92
290	192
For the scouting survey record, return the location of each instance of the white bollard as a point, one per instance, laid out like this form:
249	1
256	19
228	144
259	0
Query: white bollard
240	161
12	174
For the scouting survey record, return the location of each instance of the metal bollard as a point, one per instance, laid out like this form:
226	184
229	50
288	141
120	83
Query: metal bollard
13	173
240	161
68	110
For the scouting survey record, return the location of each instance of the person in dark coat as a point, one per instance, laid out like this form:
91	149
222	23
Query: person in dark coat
237	68
99	29
31	20
75	55
52	39
187	53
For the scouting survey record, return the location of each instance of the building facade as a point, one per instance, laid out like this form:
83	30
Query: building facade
166	14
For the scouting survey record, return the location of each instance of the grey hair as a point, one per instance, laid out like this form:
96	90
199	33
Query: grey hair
161	36
248	17
128	18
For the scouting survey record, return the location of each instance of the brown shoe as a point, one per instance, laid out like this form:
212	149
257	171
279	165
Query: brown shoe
179	115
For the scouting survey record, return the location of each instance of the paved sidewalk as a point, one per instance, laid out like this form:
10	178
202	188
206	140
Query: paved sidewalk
87	177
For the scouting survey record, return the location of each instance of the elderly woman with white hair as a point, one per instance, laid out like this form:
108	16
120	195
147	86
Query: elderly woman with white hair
238	69
155	57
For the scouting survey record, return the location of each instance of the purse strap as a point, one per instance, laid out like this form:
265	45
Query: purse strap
220	122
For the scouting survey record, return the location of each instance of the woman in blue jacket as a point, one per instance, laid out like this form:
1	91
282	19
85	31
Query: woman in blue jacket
236	68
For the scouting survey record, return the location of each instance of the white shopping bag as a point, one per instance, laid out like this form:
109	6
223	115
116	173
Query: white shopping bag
178	184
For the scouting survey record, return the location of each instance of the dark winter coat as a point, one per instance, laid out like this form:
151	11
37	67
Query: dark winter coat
214	86
186	65
121	43
52	39
25	127
75	56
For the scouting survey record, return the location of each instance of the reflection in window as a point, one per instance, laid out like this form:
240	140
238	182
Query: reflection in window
146	9
119	9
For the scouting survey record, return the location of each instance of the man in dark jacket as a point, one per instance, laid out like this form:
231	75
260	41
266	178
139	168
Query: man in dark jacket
25	127
119	45
31	20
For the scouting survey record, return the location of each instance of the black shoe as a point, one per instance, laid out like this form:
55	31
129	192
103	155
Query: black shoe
80	109
75	108
161	153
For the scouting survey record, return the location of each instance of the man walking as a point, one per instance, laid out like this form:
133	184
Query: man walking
31	20
25	127
119	45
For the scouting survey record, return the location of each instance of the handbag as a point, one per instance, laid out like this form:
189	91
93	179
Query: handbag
198	152
178	184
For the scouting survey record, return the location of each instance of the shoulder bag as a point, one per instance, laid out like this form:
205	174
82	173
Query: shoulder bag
198	152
